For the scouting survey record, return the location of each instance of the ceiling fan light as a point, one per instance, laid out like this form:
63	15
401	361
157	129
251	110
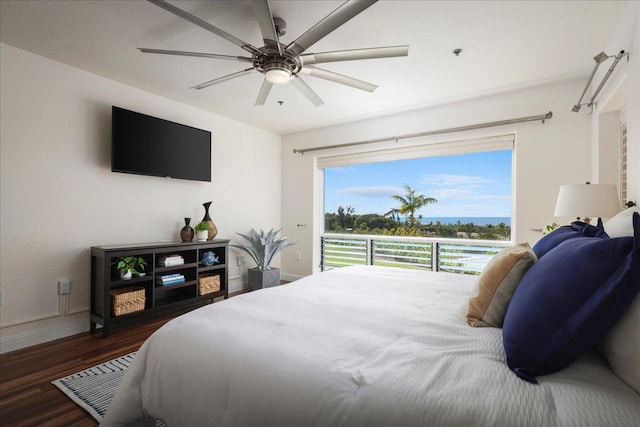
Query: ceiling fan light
277	76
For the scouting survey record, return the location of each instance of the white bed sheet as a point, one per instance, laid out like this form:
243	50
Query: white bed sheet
357	346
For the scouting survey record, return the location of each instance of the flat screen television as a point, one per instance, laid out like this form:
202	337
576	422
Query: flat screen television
148	145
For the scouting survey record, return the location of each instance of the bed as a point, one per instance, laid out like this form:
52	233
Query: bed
356	346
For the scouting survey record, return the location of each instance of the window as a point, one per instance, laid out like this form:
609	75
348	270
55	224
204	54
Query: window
461	196
442	207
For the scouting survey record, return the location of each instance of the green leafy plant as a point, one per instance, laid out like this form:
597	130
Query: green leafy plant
549	228
131	263
202	226
262	247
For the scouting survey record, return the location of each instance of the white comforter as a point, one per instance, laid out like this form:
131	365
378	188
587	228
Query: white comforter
358	346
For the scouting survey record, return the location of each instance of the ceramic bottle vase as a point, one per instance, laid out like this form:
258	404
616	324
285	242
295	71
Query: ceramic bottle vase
187	232
207	219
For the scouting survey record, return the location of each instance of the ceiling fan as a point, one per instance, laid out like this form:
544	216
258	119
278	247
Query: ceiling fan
281	64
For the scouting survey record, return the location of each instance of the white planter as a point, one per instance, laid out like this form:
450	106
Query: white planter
125	274
202	235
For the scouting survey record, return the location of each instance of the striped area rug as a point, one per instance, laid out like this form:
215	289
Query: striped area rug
94	388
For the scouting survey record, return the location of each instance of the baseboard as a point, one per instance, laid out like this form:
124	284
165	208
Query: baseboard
290	277
237	285
78	323
28	339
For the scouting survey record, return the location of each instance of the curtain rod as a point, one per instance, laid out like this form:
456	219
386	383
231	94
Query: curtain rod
541	117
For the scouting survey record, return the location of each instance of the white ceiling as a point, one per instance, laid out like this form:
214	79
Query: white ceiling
506	44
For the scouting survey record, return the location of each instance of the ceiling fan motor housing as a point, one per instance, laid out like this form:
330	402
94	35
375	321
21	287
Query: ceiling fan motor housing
277	68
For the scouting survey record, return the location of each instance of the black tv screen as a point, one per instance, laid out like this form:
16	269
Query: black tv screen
148	145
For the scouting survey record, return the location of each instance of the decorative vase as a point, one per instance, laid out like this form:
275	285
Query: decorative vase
207	219
187	233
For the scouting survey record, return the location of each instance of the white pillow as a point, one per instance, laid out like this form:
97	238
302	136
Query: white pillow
621	346
621	225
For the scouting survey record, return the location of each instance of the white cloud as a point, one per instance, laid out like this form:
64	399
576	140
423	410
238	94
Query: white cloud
465	193
451	187
465	181
451	193
375	191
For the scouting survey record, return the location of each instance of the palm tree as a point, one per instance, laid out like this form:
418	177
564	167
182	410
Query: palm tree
344	216
410	203
394	214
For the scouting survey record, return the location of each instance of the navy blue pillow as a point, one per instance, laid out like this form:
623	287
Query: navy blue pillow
559	235
568	301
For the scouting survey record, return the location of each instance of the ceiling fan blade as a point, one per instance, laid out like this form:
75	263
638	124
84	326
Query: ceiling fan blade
338	78
332	21
264	92
223	79
203	24
197	54
265	20
355	54
303	87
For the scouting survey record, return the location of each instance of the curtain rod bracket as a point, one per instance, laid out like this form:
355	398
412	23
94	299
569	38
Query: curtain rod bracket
599	58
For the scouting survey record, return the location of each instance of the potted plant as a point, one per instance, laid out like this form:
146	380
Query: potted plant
262	247
130	265
202	231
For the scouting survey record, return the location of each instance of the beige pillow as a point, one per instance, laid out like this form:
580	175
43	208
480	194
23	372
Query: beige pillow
497	283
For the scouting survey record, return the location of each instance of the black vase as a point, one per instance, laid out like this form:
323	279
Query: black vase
213	230
187	233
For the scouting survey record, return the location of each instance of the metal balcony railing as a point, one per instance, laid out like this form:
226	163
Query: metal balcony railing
423	253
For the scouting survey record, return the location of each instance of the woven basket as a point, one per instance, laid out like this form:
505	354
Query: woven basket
208	285
127	300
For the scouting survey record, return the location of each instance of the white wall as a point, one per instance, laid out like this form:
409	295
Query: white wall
546	156
570	148
59	196
622	90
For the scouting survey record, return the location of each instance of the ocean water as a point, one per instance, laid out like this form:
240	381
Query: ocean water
477	220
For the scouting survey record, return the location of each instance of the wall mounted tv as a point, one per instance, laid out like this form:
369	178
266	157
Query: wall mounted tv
148	145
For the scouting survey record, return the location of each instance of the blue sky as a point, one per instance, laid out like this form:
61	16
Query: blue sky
466	185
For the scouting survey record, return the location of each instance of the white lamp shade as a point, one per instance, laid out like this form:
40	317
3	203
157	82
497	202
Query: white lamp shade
587	200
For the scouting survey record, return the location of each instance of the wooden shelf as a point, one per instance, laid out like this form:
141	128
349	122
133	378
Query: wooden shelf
176	267
158	298
160	288
211	267
133	280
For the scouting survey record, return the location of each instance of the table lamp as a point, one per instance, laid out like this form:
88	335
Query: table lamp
587	200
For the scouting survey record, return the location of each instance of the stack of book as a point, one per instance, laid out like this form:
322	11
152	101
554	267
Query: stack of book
170	279
171	260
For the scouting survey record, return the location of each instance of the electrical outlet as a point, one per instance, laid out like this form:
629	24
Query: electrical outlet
240	261
64	287
298	255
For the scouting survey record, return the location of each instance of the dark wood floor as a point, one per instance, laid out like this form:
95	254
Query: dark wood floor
27	397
